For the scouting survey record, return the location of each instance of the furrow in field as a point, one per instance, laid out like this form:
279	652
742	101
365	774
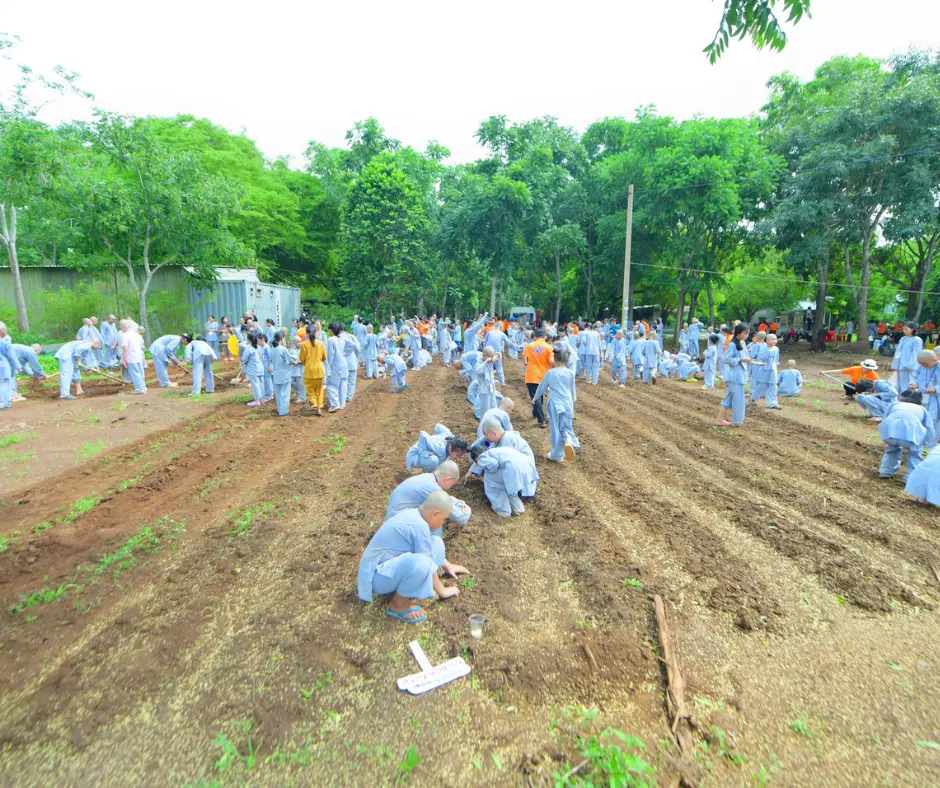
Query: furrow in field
789	530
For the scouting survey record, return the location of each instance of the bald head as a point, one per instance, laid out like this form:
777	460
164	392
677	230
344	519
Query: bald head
448	474
436	509
488	352
507	405
492	426
927	357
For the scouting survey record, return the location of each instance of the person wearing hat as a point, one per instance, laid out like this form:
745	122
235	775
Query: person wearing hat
867	370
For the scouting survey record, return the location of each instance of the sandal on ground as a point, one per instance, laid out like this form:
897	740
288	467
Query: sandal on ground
569	453
401	616
723	423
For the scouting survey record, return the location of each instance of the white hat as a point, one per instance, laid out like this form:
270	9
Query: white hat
870	363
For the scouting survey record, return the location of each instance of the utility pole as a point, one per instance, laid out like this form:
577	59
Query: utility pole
625	317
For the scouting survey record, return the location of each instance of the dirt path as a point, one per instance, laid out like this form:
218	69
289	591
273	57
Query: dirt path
205	625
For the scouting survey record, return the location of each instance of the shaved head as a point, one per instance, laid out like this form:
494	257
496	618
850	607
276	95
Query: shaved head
447	468
438	503
507	404
491	424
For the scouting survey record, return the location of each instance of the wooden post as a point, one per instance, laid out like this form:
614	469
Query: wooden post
627	306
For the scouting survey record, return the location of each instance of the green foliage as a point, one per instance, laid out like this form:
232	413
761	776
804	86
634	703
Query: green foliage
16	437
384	241
755	18
614	758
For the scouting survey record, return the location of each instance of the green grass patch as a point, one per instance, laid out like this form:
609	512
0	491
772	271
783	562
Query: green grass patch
16	437
242	398
149	539
242	519
337	442
81	507
88	450
120	405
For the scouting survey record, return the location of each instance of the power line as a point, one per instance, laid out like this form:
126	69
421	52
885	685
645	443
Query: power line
782	279
820	168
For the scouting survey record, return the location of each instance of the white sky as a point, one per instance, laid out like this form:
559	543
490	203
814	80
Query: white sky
287	71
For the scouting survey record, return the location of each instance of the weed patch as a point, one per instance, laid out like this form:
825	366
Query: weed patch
242	519
88	450
16	437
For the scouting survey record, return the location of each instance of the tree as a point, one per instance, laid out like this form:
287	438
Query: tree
384	237
755	18
27	153
147	206
557	242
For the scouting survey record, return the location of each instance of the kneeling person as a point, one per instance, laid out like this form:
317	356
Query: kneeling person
411	493
508	477
403	557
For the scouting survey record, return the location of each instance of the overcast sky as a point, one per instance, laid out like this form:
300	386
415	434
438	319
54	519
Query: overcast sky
287	72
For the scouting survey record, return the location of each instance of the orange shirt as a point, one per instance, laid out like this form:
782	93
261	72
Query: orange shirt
423	328
647	327
882	328
773	326
859	372
762	327
538	360
302	332
505	326
898	326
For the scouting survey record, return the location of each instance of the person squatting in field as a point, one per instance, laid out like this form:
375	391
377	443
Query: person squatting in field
404	556
431	450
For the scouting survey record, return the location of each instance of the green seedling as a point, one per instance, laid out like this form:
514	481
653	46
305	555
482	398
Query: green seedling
16	437
633	582
409	763
88	450
468	582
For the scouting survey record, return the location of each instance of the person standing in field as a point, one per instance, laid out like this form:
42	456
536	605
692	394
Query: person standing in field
71	356
163	353
905	355
297	368
734	373
281	366
711	361
9	366
538	359
312	357
109	343
925	380
131	344
370	348
250	354
212	334
560	383
200	355
337	373
867	370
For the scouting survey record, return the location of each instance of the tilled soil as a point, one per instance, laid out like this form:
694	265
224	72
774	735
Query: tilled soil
801	593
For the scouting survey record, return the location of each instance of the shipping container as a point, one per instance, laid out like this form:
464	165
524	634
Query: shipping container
238	292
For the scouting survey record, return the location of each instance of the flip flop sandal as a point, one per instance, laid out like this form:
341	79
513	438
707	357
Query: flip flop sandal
401	616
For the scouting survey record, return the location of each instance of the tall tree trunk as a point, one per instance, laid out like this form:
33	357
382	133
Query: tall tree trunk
421	303
557	284
822	285
444	296
680	310
502	309
630	301
8	238
711	305
924	274
493	295
590	283
693	302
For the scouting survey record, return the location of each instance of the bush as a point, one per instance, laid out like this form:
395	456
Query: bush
170	313
60	312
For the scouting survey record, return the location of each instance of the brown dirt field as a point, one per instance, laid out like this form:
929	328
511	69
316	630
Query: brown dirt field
800	591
